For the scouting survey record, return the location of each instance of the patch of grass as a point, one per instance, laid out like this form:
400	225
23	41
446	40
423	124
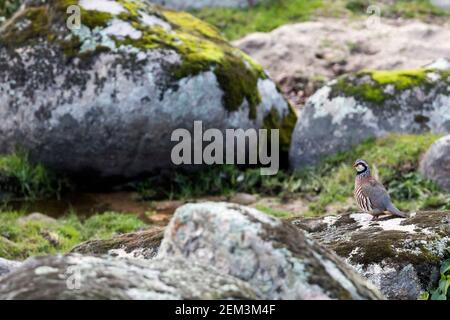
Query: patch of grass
409	9
357	6
274	212
213	180
264	17
19	176
20	239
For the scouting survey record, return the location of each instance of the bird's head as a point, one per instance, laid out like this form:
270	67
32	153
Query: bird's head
361	166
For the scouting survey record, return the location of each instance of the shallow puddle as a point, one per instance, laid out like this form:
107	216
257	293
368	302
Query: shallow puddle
87	204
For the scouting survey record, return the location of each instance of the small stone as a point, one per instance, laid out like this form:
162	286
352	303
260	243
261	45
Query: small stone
36	216
243	199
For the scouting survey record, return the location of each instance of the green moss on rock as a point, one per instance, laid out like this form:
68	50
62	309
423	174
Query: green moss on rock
200	45
366	91
93	19
372	86
202	48
286	125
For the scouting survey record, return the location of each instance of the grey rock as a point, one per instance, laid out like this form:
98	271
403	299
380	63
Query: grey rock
441	4
435	164
356	107
274	257
243	198
400	256
198	4
82	277
85	104
7	266
36	216
139	245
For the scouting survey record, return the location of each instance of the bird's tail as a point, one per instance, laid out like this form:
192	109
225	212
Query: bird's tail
392	209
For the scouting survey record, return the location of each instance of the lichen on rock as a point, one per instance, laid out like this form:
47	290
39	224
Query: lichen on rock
400	256
266	252
435	163
102	100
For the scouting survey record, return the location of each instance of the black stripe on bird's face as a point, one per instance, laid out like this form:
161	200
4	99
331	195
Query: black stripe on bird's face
361	166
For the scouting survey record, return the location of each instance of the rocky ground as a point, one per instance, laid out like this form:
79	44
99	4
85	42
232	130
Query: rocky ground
253	256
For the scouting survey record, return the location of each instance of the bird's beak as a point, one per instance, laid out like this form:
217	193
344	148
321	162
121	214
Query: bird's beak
354	166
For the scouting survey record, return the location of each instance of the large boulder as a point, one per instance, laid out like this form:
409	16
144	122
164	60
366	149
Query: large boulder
83	277
435	164
198	4
400	256
273	256
102	100
355	107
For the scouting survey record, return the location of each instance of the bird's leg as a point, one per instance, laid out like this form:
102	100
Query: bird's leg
376	213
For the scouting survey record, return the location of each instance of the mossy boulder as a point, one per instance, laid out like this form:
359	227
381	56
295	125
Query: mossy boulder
400	256
273	256
141	245
358	106
22	236
102	100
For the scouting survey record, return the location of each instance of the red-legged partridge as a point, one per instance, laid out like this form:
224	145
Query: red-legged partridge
370	194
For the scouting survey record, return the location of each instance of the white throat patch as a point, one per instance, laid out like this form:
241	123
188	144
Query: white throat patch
360	168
